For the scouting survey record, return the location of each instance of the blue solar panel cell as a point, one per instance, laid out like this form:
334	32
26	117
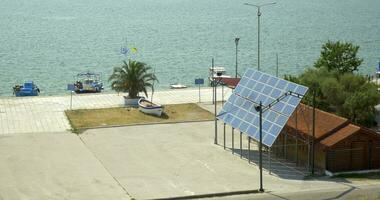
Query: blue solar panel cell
267	90
251	83
243	127
259	87
301	89
241	114
261	98
254	87
267	101
249	117
281	120
275	129
243	81
238	89
276	93
294	101
235	122
281	84
268	139
253	95
267	125
288	110
291	87
278	106
256	76
270	115
272	81
264	78
245	92
252	130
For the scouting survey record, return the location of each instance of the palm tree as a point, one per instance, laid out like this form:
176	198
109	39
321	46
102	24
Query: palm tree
133	77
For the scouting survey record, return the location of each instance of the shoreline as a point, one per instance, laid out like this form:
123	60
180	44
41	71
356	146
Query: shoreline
102	93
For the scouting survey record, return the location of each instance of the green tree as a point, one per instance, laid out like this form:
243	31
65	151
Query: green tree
132	77
348	95
339	56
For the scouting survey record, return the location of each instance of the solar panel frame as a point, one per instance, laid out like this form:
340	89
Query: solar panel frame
255	86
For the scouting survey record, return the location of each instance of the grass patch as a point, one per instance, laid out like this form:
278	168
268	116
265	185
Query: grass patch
90	118
371	175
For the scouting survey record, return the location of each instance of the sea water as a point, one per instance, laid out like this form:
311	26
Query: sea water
50	41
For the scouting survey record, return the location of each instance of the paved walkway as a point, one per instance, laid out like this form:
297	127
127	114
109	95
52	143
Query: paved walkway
46	114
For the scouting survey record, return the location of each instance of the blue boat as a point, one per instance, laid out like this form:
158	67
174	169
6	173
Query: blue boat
88	83
28	89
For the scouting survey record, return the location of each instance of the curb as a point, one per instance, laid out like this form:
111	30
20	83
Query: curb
211	195
143	124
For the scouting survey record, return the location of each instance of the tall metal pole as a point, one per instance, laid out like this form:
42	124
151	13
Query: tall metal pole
313	139
258	28
212	81
216	120
276	64
261	147
236	66
258	38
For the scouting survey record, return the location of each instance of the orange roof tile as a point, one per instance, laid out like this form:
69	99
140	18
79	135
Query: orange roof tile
230	82
340	135
325	122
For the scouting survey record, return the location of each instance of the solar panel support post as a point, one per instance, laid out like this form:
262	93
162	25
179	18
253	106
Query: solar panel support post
261	147
232	140
249	149
224	136
241	148
269	161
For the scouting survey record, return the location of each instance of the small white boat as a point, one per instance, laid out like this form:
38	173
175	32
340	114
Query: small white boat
177	86
148	107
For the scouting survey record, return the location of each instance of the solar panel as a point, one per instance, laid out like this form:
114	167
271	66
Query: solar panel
255	87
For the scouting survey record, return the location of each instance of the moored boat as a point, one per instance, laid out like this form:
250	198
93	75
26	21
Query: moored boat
27	89
178	86
88	83
217	72
148	107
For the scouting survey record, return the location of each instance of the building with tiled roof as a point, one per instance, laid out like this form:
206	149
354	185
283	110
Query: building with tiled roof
339	144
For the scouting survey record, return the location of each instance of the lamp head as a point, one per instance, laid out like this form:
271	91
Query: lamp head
258	108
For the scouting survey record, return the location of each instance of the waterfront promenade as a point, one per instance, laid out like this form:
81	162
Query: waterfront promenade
45	114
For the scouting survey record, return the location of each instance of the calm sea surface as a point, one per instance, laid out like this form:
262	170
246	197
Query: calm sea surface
49	41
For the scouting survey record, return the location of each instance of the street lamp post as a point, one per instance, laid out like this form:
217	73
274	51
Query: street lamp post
258	28
236	66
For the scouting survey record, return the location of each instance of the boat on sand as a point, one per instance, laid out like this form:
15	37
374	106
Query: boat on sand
148	107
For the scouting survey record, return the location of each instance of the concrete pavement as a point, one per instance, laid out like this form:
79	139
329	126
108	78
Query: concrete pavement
171	160
146	161
46	114
52	166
